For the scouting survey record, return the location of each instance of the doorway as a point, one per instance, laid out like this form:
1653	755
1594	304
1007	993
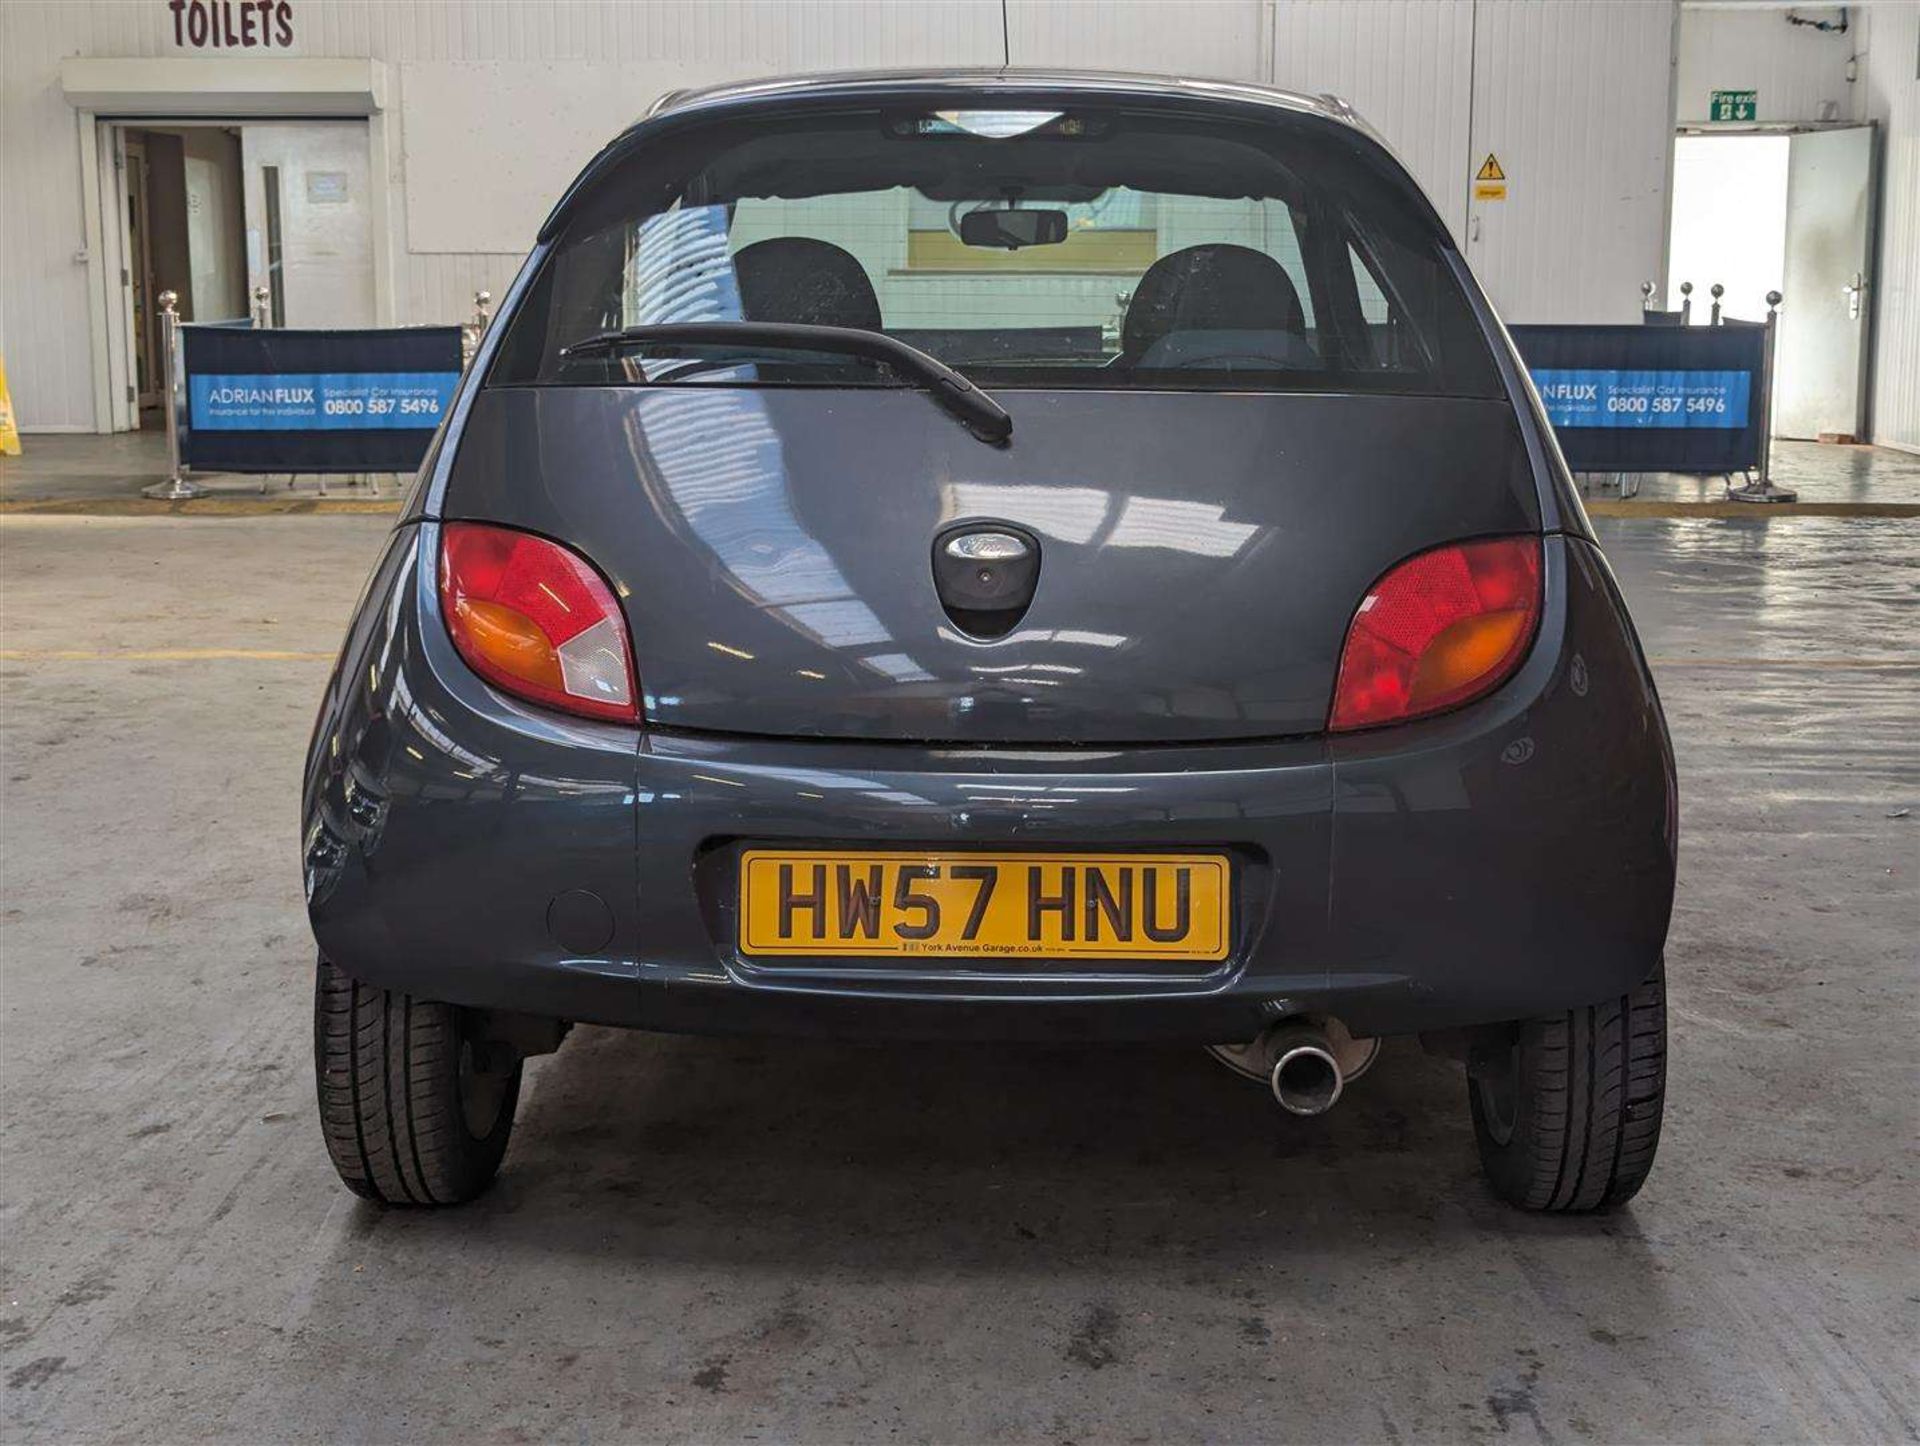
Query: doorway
1788	210
181	190
146	352
212	210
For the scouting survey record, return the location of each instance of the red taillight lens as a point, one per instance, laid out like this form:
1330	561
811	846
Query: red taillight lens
535	620
1439	629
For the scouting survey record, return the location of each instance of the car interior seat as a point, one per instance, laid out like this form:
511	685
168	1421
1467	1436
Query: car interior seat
1216	305
801	281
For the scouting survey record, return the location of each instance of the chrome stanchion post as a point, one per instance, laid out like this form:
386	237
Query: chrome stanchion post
1686	303
1761	489
177	487
1111	328
1716	291
1647	288
476	328
262	320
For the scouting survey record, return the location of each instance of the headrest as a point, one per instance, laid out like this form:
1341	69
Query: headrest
800	281
1211	287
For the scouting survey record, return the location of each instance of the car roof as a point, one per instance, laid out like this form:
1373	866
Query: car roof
985	80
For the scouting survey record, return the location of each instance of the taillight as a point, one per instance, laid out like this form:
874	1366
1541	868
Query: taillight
535	620
1438	630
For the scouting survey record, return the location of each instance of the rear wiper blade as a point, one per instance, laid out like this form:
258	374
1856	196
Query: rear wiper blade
984	417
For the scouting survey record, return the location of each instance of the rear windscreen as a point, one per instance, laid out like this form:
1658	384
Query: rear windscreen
1111	247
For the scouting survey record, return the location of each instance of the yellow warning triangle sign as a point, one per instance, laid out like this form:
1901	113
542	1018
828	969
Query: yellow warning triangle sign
1490	169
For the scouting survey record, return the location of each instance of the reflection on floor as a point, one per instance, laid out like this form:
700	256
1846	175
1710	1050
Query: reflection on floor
1819	472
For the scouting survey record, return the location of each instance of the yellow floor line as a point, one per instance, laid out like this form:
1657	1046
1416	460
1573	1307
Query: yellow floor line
160	655
199	507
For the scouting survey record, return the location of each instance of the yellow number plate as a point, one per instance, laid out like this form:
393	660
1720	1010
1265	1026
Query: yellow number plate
830	902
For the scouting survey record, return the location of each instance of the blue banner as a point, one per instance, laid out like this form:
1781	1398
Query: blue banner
1637	398
1589	397
362	400
319	401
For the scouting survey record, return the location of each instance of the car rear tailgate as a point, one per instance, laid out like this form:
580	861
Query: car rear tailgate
1201	553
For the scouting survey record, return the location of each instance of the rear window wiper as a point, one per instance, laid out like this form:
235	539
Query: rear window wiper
984	417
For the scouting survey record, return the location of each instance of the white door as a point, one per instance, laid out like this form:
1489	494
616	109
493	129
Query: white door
133	351
1820	356
211	168
310	221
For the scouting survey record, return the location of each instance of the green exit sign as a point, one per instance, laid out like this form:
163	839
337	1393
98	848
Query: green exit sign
1735	105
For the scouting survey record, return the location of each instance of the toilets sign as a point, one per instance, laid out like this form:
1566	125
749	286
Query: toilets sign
232	24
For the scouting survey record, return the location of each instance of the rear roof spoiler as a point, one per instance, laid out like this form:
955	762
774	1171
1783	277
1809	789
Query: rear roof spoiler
997	86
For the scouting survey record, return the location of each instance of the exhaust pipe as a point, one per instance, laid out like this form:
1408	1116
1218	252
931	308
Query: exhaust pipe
1305	1064
1306	1077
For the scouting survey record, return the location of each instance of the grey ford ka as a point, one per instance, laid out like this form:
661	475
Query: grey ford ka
999	556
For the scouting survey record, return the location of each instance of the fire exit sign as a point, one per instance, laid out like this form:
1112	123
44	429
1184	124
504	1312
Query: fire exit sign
1735	105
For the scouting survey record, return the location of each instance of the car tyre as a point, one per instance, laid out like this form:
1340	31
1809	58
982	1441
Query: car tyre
1567	1108
415	1107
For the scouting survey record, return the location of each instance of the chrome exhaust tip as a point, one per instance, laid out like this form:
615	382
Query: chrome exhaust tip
1306	1078
1305	1061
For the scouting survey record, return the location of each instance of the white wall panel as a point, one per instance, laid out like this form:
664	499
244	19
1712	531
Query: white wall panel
1891	77
1212	39
1575	98
43	290
1796	69
583	49
487	141
1405	65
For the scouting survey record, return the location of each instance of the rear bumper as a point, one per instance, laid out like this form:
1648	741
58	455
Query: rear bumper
1508	860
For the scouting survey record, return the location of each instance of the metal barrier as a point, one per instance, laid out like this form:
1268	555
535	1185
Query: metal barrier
352	401
1664	396
242	396
1650	399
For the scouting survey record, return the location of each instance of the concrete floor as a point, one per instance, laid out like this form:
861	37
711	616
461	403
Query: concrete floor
742	1239
84	467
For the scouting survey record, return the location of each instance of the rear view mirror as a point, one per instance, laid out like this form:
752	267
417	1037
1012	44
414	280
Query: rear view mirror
1010	230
